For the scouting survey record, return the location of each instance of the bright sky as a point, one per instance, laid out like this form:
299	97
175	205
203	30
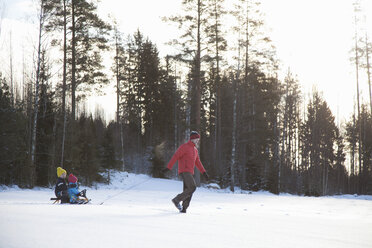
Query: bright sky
313	39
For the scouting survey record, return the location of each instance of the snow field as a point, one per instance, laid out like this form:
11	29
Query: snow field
140	214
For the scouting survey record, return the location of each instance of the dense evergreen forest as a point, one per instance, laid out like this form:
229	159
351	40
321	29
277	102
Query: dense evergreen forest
257	132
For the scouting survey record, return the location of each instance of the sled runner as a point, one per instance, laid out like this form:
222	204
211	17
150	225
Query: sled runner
56	199
81	200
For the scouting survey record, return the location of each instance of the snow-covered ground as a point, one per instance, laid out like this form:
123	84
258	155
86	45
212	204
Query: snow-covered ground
137	212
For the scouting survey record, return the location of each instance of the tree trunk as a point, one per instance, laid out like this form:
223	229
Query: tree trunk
64	81
118	120
188	111
73	61
358	106
175	111
117	76
122	145
197	71
36	104
298	176
11	69
197	82
352	164
369	75
234	131
218	85
277	158
52	166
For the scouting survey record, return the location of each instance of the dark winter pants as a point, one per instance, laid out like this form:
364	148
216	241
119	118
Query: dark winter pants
64	197
189	187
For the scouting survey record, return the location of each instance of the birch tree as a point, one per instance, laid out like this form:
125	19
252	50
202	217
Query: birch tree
42	18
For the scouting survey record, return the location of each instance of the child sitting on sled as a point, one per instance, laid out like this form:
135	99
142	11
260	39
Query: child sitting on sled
61	187
74	193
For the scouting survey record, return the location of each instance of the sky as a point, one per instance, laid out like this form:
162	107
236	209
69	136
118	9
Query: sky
313	40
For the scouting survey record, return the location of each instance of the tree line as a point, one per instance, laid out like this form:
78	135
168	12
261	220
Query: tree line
258	132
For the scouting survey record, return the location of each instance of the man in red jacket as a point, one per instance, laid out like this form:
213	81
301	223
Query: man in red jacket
187	156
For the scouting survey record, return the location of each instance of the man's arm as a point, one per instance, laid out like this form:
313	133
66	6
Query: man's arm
199	165
175	157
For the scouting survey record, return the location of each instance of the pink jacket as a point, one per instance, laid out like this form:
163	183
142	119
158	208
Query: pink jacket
187	156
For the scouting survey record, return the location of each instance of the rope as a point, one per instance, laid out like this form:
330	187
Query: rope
131	187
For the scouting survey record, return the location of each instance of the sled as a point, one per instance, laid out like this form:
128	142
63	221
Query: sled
55	199
81	200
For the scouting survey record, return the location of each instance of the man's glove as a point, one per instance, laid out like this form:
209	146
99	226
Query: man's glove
165	170
206	176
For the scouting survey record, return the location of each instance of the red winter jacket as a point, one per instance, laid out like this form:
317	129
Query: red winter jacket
187	156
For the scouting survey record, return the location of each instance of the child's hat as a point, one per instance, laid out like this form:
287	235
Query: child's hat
72	178
60	171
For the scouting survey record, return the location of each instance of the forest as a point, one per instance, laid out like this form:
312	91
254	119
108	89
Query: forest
257	132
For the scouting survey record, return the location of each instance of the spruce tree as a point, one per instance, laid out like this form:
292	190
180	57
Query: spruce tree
107	151
318	134
290	126
45	152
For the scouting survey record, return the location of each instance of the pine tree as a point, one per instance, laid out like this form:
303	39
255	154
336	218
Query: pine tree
44	14
352	139
260	131
89	39
57	22
255	53
45	129
357	51
234	132
172	103
290	127
318	134
193	21
217	44
87	156
150	91
120	63
366	127
14	142
368	49
129	93
108	161
339	168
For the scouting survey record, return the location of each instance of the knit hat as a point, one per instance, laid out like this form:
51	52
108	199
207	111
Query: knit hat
72	178
194	135
60	171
